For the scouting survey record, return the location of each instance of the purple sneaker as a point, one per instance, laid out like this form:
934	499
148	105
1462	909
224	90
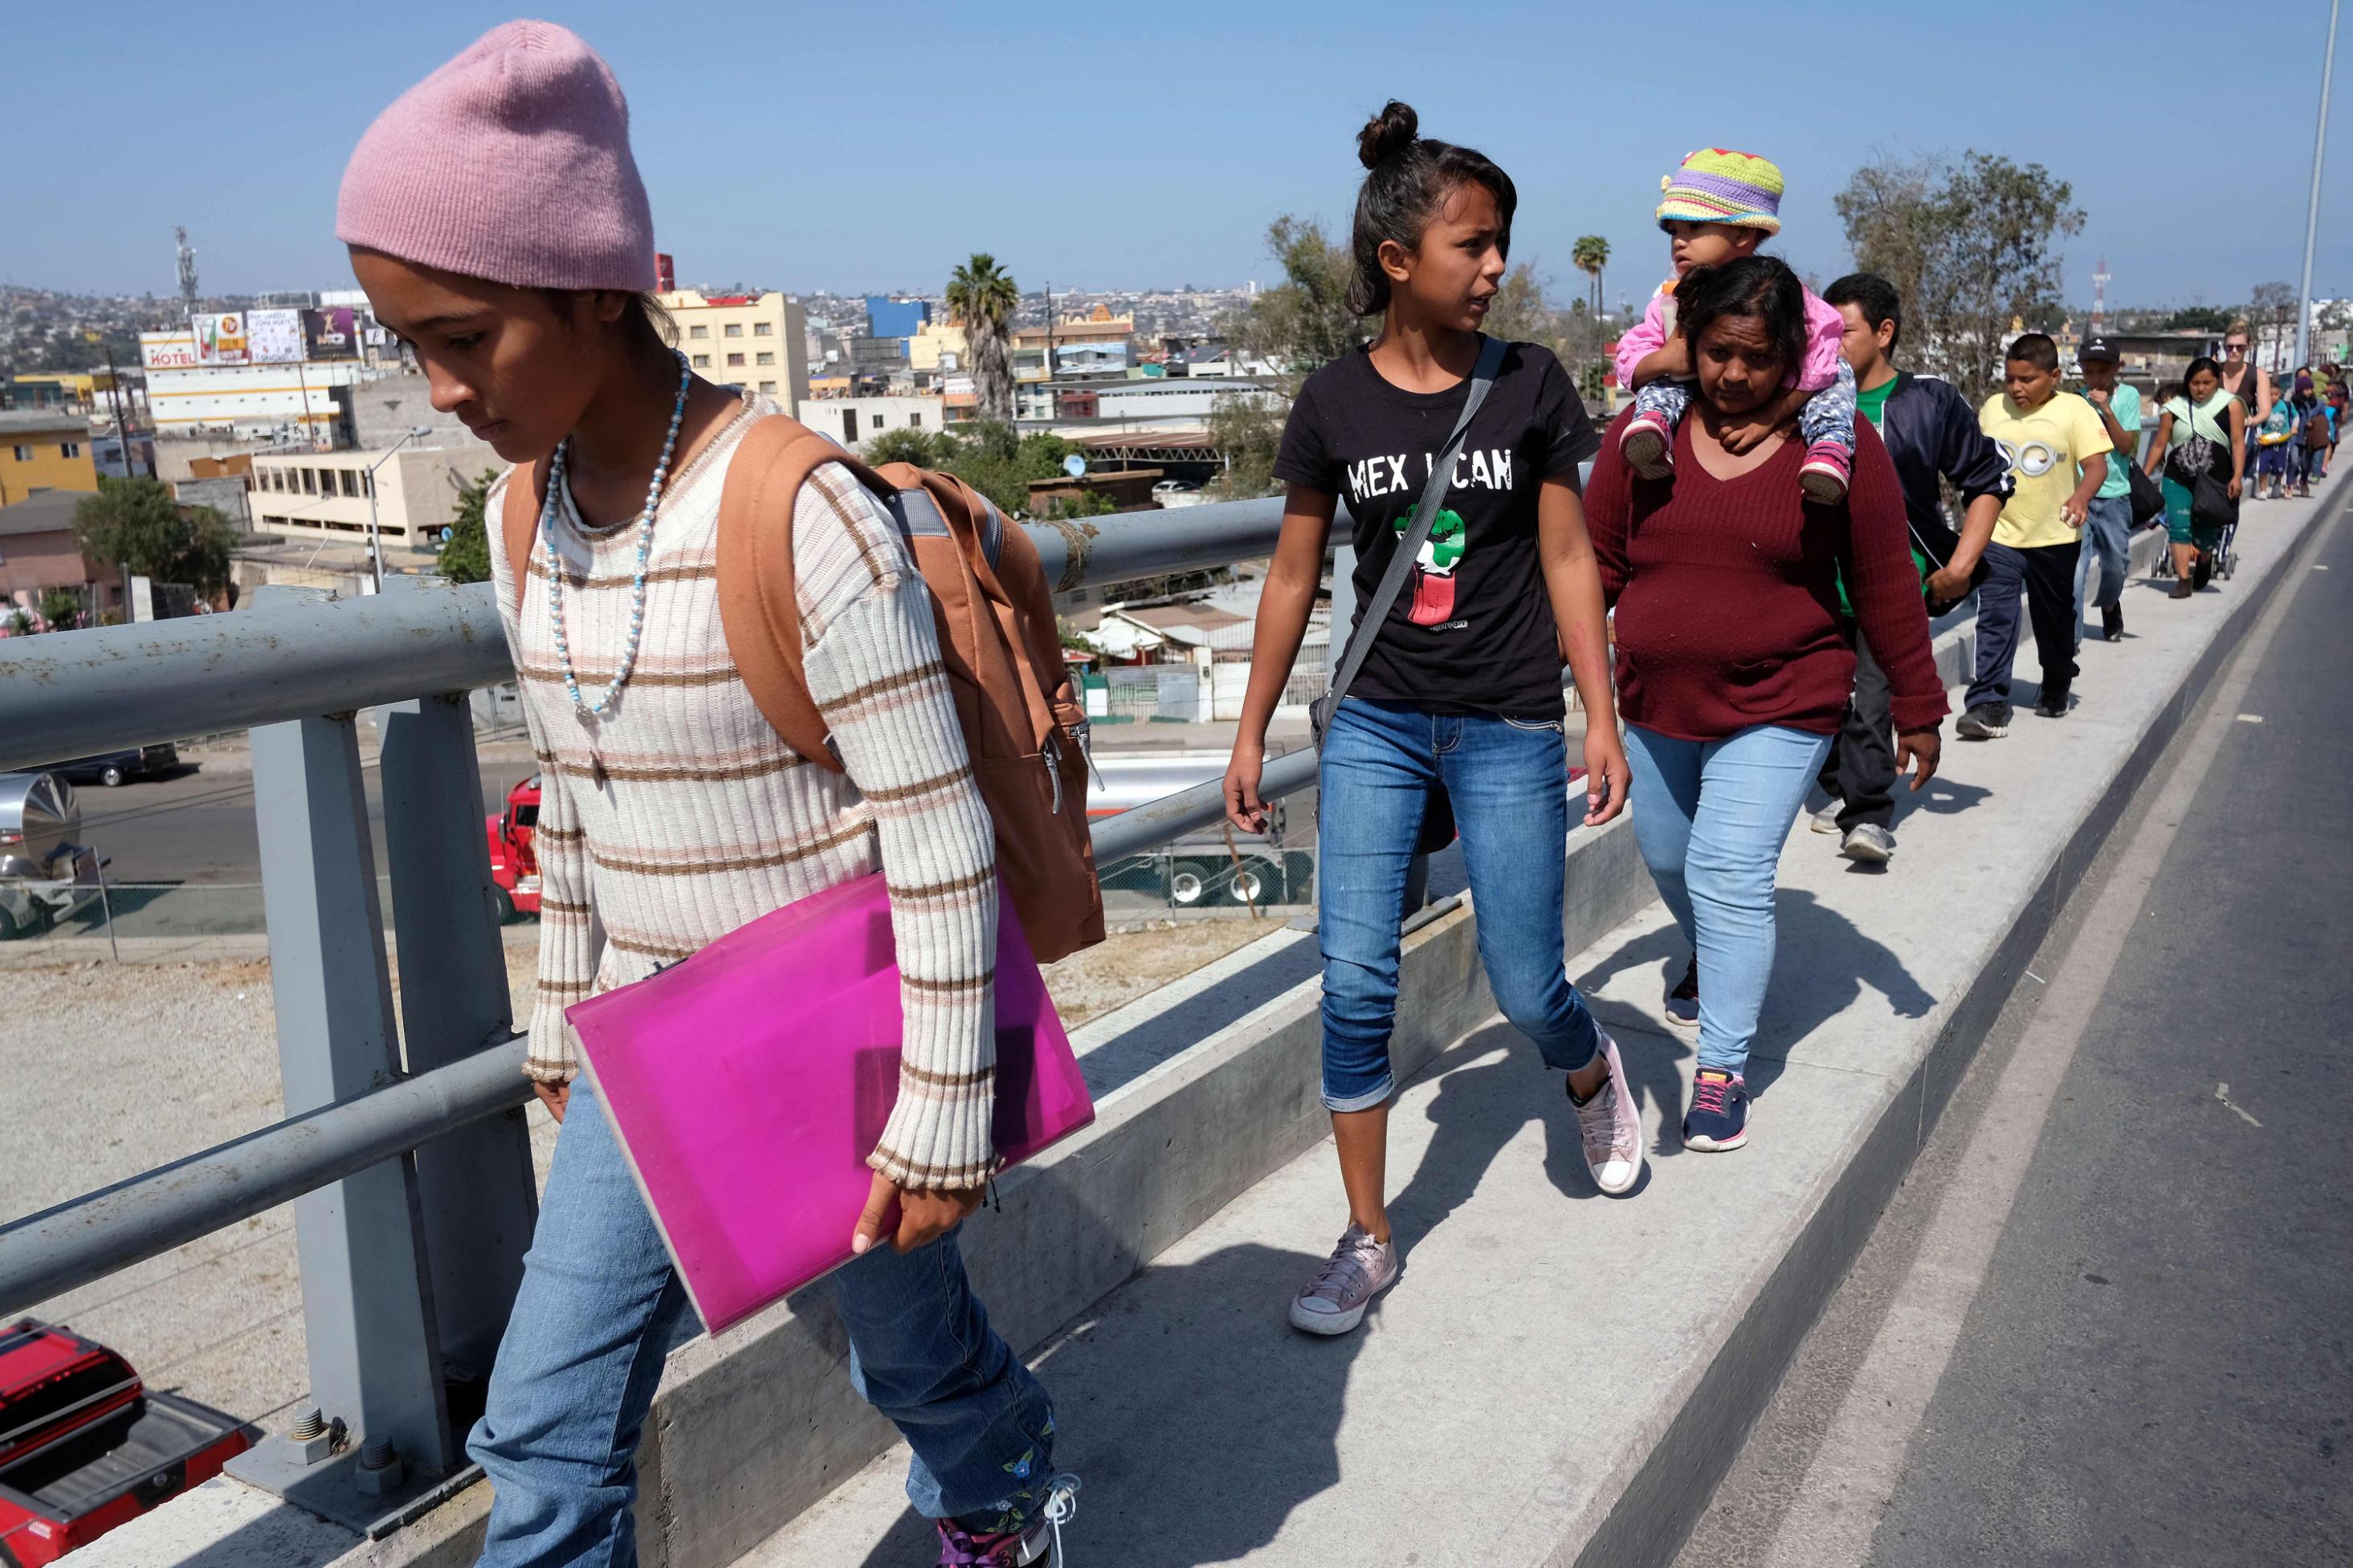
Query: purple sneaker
1648	445
1612	1128
1358	1269
961	1548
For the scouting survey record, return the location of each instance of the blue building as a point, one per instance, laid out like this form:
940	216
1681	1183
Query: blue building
889	318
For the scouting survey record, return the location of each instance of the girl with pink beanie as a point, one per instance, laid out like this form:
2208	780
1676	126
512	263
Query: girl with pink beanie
1718	207
496	220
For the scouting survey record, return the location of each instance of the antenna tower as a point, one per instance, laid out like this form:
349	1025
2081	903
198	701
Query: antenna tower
2100	299
187	268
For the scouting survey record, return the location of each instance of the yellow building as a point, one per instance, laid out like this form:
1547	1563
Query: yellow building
938	346
78	389
43	449
759	341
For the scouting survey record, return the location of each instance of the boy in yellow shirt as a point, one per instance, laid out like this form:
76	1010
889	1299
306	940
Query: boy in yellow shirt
2058	450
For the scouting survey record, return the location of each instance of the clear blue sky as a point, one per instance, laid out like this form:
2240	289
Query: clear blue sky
1106	144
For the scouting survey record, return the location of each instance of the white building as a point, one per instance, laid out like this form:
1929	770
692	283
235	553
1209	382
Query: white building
324	496
299	400
1167	404
852	421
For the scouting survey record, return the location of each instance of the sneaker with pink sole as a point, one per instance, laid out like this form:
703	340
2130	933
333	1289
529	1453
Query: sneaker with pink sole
1612	1128
1824	475
1034	1543
1648	445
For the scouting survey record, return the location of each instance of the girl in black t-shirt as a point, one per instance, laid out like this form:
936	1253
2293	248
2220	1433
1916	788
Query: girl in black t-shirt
1459	701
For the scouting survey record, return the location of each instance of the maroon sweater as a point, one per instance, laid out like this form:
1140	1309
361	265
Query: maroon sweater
1727	592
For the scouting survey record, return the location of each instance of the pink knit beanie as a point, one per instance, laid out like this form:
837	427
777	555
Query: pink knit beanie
511	162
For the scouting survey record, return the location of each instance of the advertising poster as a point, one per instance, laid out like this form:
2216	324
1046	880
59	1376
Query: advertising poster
168	351
220	340
333	332
273	337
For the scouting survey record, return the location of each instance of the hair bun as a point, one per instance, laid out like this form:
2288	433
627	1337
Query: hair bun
1388	134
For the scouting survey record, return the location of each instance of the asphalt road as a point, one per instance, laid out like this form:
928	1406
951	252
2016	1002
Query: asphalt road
2109	1321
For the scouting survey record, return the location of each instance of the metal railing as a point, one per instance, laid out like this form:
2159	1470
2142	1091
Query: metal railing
403	1148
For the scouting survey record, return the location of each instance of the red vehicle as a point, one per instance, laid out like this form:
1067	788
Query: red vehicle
515	869
85	1445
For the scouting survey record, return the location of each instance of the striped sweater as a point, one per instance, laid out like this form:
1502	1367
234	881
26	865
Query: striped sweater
681	814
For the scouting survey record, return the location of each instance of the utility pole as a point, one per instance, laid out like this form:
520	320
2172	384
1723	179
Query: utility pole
2312	209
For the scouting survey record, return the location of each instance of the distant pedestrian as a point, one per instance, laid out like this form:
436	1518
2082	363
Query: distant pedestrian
2315	432
2200	433
1734	663
1720	205
2249	383
495	216
2107	516
2274	441
1932	435
1457	706
2058	449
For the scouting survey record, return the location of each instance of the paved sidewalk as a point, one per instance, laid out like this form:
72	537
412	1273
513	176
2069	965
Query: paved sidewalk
1543	1339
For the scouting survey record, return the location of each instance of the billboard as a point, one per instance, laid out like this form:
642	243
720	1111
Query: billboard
331	333
168	351
220	339
273	337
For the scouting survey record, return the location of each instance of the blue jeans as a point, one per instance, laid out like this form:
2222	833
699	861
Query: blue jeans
1710	818
599	1309
1508	782
2107	534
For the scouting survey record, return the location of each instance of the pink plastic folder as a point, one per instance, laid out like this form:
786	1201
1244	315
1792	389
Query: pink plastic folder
749	1083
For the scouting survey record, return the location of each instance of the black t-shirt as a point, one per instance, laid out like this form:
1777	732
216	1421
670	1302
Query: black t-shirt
1472	630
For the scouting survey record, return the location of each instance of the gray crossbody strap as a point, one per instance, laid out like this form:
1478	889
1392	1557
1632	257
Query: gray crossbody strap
1408	549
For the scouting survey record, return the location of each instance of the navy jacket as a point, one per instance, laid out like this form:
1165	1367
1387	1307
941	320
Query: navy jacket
1932	433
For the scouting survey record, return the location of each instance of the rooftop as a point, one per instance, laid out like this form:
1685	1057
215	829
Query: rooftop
30	421
47	512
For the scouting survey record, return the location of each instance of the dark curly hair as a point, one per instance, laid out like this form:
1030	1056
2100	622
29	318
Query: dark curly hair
1409	179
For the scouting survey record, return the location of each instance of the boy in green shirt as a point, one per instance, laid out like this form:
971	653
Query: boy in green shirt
2050	437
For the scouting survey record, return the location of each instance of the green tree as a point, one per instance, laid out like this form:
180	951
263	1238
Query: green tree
1246	429
1518	313
1970	247
997	462
1592	256
61	607
1304	322
982	297
465	555
924	449
2199	319
136	523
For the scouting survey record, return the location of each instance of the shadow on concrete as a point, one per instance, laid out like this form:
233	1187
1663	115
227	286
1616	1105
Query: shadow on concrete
1821	964
1152	1437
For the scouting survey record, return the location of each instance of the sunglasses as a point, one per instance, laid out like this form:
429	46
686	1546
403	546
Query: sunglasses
2240	347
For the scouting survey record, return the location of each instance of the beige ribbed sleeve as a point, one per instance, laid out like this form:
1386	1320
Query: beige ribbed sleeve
873	665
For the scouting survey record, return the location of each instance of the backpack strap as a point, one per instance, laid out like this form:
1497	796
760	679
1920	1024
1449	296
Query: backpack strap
759	608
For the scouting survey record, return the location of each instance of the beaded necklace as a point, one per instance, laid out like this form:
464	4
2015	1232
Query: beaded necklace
581	710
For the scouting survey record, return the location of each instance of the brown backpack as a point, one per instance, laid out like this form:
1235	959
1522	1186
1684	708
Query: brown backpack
1022	721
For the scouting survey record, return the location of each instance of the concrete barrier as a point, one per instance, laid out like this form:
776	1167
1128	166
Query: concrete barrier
1205	1090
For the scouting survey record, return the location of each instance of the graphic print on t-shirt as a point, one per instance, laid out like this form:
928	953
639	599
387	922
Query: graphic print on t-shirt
1433	600
1472	632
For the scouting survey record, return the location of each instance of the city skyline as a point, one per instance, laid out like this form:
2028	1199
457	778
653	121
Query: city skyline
881	181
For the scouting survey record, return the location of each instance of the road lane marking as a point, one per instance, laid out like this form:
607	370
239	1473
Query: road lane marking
2223	1093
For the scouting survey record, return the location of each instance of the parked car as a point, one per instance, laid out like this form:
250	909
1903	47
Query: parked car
45	873
1199	867
1172	487
514	869
86	1446
114	769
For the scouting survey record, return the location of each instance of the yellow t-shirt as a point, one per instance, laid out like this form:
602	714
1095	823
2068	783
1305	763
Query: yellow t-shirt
2046	447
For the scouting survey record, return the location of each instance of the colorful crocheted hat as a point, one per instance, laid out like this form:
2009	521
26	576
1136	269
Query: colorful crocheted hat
1716	185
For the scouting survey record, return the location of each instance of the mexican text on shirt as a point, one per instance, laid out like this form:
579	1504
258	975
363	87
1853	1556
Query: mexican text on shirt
1484	470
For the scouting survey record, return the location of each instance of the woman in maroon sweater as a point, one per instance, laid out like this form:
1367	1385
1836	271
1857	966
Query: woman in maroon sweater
1734	663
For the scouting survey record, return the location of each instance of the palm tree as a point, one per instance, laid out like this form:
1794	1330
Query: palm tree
1591	254
982	297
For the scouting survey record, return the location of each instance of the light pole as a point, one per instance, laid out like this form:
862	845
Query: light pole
2311	210
375	548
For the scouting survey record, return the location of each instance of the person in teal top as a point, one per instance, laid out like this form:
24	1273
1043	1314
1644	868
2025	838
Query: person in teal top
2107	519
